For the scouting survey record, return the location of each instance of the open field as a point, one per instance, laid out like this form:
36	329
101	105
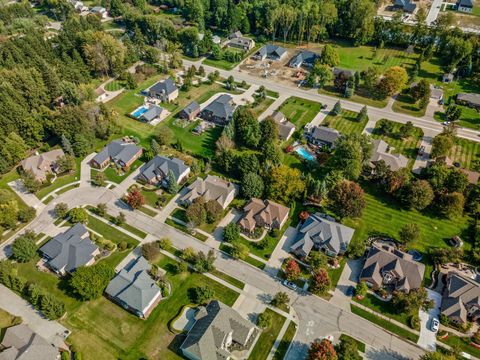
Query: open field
345	122
227	65
267	337
467	153
300	111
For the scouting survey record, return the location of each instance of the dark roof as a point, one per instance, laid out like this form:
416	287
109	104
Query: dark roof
166	86
326	134
134	286
406	5
70	249
117	150
152	113
190	108
304	58
469	98
222	107
271	50
465	3
208	335
159	167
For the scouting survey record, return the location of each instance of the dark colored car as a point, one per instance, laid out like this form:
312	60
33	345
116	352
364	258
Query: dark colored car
350	291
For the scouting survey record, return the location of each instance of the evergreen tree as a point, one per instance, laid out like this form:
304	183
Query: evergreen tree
66	145
337	108
172	183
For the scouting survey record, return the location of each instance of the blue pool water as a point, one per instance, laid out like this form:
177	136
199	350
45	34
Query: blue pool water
304	153
139	111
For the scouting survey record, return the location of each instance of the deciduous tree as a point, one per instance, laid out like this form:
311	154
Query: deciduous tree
89	282
347	199
322	350
135	198
24	248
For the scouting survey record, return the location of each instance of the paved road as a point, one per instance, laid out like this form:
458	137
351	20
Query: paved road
374	114
427	338
434	11
316	316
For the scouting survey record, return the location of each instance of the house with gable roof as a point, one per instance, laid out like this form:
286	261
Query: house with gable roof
211	188
156	171
263	214
270	52
164	90
461	299
121	152
42	164
219	111
381	151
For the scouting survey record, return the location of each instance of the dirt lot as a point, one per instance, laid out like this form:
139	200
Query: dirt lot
386	9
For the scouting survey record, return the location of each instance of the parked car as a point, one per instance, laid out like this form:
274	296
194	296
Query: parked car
440	102
421	151
289	284
435	325
350	291
446	123
457	164
324	106
329	338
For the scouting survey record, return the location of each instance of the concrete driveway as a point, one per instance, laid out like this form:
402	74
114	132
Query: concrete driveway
350	274
427	339
422	160
281	251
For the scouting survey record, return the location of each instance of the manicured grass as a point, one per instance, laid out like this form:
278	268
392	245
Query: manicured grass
152	197
125	226
467	153
147	211
9	177
405	104
272	94
109	232
345	122
407	146
114	85
61	180
231	280
384	323
334	274
361	96
286	341
48	199
384	215
117	176
360	345
267	251
227	65
300	111
197	235
67	188
267	337
470	118
180	214
255	262
104	330
383	307
261	105
463	343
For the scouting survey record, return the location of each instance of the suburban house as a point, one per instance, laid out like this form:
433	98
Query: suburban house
304	58
343	72
122	152
321	136
405	5
217	332
472	176
235	35
465	6
190	112
211	188
134	289
156	171
386	266
21	343
263	214
219	111
79	6
100	11
42	164
380	152
69	250
270	52
470	100
461	299
154	114
164	90
241	42
447	77
285	127
321	233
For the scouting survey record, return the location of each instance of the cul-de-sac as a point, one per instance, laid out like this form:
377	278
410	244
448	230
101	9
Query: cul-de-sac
239	179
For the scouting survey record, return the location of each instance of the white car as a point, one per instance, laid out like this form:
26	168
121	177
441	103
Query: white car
435	325
446	123
289	284
330	338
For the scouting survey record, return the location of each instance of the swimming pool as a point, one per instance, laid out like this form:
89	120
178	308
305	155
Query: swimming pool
304	153
139	111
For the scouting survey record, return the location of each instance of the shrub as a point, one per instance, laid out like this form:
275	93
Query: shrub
150	251
231	232
52	308
78	215
26	215
123	245
414	322
165	243
201	294
61	210
264	320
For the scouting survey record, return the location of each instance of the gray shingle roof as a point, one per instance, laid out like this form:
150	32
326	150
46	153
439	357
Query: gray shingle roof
152	113
190	108
469	98
208	335
271	50
325	134
461	293
117	150
24	344
221	107
159	167
70	249
322	233
211	188
380	152
166	86
304	57
133	285
465	3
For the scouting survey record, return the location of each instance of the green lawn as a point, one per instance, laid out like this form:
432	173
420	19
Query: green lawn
147	211
272	94
407	147
300	111
180	214
125	226
384	323
9	177
109	232
286	341
255	262
260	106
227	65
334	274
467	153
267	337
345	122
117	176
384	308
61	180
405	104
463	343
114	85
67	188
361	96
384	215
103	330
360	345
180	227
470	118
231	280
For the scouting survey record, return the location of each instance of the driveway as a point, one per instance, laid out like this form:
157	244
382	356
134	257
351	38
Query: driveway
349	277
422	160
281	252
427	338
29	198
85	170
249	307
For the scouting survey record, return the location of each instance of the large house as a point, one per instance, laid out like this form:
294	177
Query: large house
386	266
42	164
156	171
164	90
218	330
461	299
321	136
69	250
381	152
304	58
470	100
99	10
219	111
465	6
263	214
121	152
190	112
134	289
241	42
321	233
405	5
270	52
285	127
154	114
21	343
211	188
